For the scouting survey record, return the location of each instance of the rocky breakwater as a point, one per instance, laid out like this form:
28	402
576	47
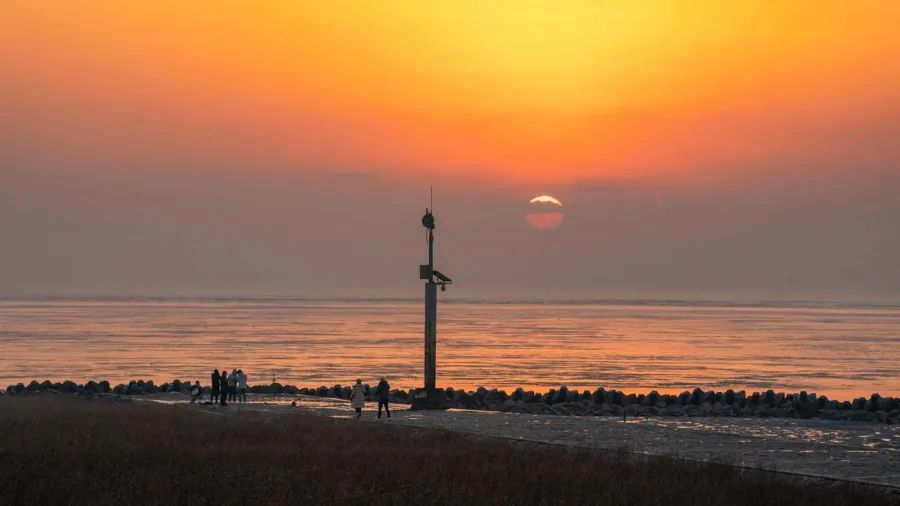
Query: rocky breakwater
148	387
133	387
67	387
603	402
696	403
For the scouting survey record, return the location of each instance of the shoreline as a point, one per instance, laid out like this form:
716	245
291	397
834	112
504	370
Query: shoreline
157	450
822	452
562	401
763	451
760	447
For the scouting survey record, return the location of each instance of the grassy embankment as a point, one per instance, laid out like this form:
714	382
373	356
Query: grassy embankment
56	450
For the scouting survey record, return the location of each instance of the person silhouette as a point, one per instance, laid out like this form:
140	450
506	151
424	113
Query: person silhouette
232	385
383	391
223	381
214	391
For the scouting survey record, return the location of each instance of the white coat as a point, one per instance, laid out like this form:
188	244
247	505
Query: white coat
358	396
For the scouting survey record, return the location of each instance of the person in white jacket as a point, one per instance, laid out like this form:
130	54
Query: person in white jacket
358	397
241	386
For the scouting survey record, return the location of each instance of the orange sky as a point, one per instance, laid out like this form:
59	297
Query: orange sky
701	148
548	91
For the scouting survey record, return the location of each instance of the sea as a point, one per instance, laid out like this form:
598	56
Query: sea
840	350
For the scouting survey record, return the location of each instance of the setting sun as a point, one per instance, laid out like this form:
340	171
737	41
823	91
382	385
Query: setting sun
543	213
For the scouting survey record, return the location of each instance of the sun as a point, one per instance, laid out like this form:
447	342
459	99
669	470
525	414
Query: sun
544	213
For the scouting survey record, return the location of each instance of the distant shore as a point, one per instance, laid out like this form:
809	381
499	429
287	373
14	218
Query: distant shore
561	401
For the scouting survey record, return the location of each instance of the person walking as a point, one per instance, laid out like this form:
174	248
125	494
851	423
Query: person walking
383	391
223	380
242	386
358	397
214	392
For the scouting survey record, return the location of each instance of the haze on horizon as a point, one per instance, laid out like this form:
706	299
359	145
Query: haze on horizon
701	151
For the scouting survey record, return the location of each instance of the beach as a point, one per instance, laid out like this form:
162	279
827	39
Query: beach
854	445
848	451
834	449
162	450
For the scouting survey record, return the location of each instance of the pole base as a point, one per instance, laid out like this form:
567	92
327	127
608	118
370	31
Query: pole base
429	399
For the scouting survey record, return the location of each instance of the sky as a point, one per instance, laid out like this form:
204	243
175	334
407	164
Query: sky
700	149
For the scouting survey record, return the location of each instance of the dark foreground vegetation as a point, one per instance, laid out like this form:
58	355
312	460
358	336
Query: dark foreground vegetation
70	450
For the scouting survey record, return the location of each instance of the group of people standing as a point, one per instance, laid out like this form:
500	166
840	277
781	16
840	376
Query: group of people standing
232	387
228	387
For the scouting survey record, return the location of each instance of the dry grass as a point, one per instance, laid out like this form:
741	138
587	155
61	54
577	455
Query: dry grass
69	451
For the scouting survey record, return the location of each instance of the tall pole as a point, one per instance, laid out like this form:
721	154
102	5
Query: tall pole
430	321
430	397
430	337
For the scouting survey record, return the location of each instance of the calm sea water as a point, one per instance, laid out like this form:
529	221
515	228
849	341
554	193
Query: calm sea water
841	351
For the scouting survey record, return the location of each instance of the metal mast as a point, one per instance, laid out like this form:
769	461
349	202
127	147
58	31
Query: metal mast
434	278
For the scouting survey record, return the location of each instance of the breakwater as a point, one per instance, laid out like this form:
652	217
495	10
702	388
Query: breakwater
561	401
